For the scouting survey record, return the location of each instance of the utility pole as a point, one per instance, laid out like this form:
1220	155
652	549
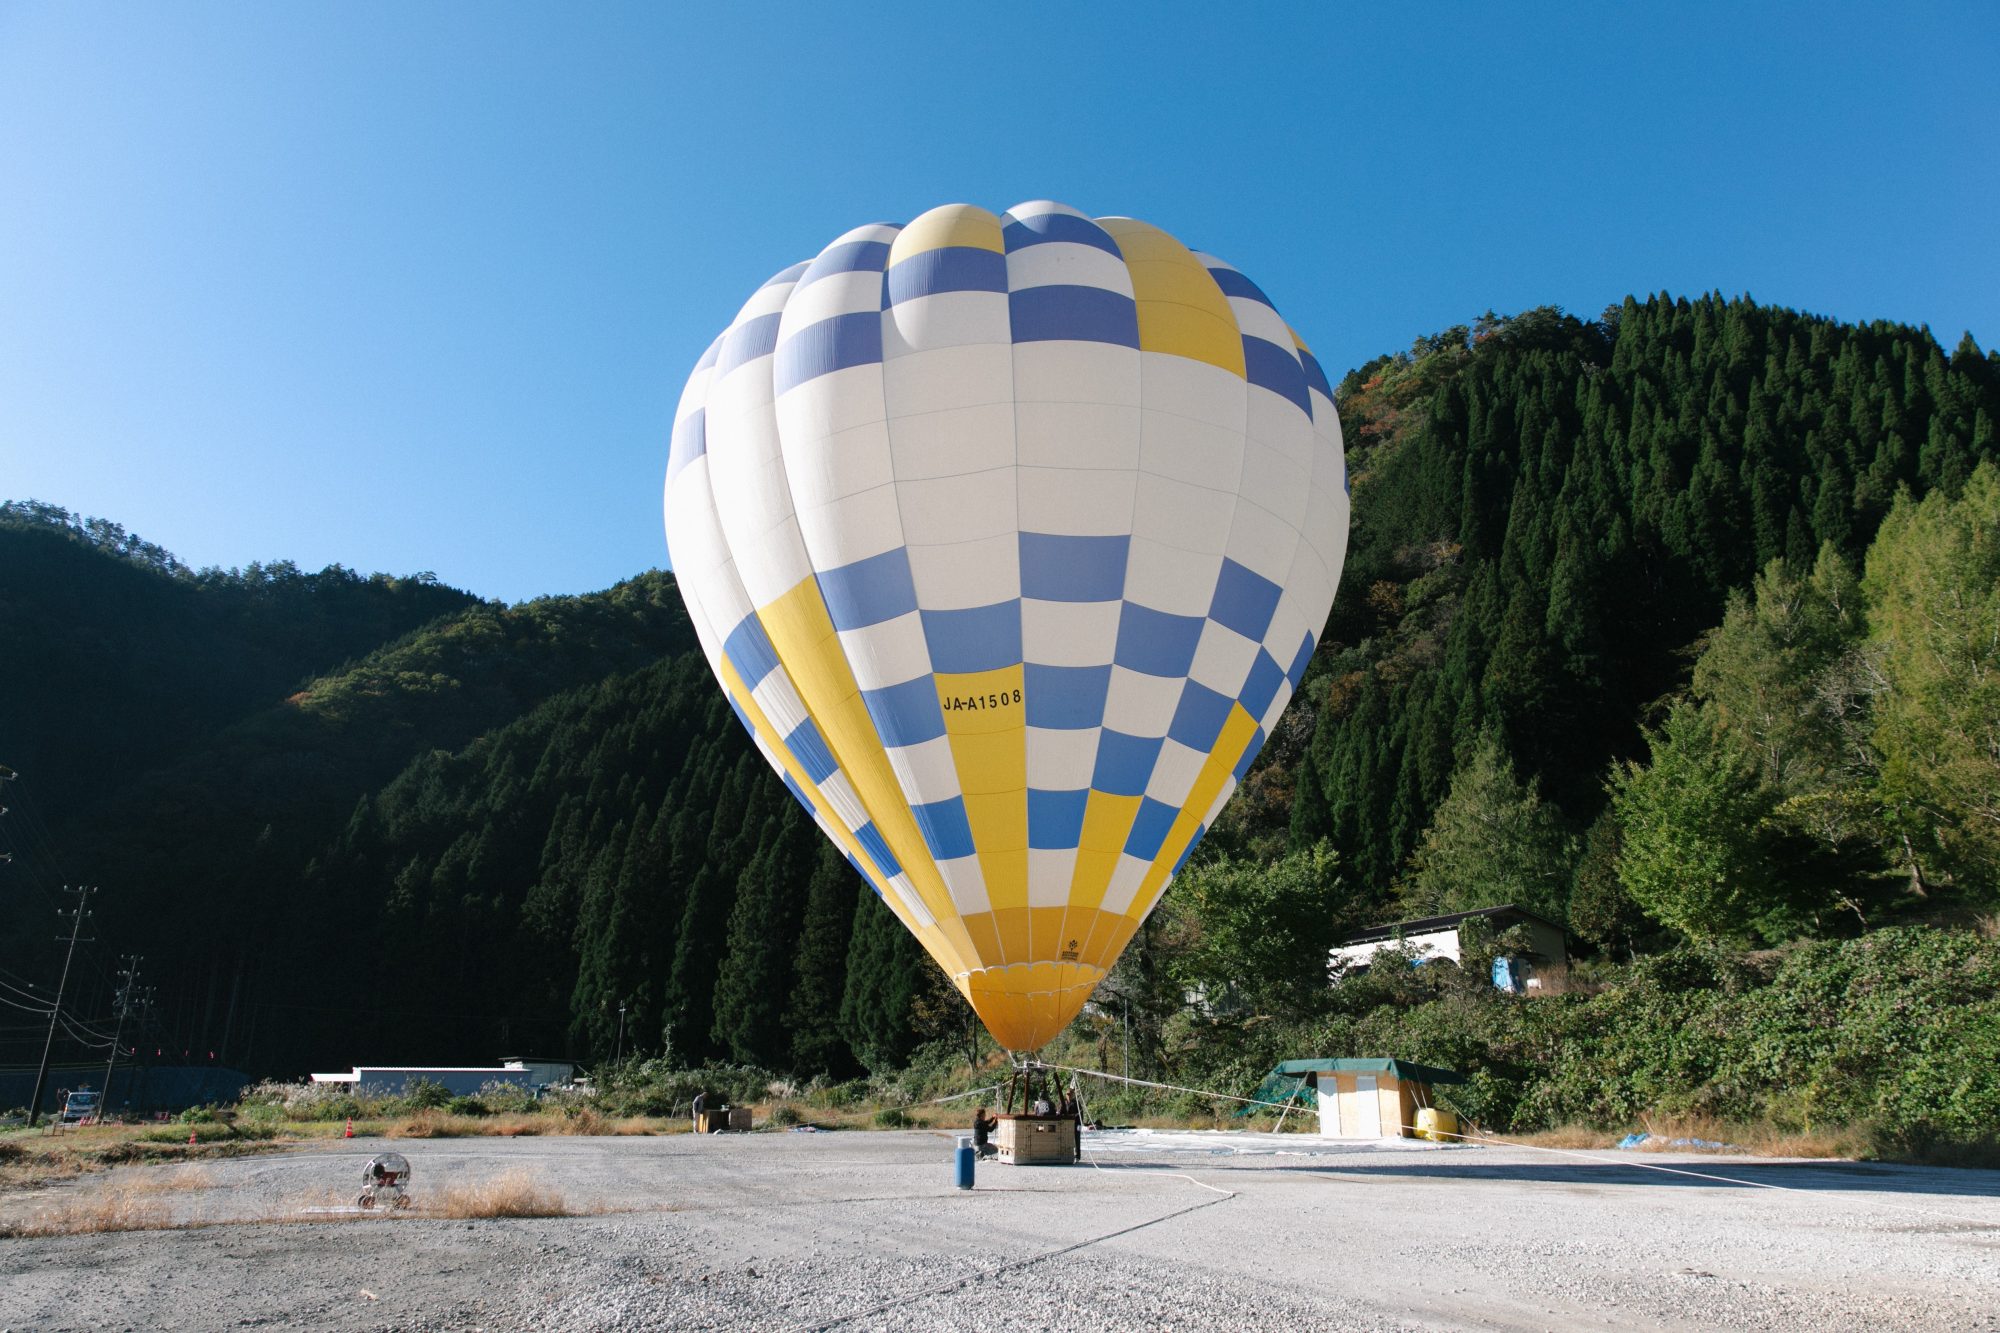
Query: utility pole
6	775
129	975
77	916
146	1030
619	1051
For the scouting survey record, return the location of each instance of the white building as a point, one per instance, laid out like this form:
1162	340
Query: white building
458	1080
1437	937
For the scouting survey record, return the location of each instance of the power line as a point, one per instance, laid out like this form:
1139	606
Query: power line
40	862
78	915
130	975
29	991
84	1038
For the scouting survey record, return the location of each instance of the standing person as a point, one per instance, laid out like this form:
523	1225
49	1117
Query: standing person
700	1105
982	1132
1072	1109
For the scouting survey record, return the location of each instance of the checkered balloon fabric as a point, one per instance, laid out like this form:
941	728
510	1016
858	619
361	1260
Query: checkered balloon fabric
1009	538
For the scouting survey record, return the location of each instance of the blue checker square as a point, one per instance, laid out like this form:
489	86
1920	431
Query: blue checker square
1199	716
947	831
1315	376
1244	602
1046	227
748	341
1156	643
1234	283
869	591
906	714
850	257
787	274
1275	368
1066	698
862	871
835	343
951	268
1062	312
749	650
878	851
1125	763
798	792
1262	686
1057	568
810	749
1149	828
979	638
690	440
1055	818
1300	661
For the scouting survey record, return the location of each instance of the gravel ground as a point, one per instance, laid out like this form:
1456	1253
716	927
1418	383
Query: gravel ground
1194	1231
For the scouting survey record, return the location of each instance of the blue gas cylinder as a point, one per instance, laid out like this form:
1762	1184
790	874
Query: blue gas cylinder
965	1160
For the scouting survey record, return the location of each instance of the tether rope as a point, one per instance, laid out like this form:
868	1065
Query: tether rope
982	1275
1586	1155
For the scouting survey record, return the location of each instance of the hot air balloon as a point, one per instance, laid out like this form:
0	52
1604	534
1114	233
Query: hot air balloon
1009	538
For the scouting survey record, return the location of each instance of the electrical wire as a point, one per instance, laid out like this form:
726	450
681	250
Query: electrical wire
20	990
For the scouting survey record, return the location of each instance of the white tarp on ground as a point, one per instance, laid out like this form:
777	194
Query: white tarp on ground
1246	1143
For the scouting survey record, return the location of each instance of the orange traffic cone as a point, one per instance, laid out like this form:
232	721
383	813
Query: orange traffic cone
350	1128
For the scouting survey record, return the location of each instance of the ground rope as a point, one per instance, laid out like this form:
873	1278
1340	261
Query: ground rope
1473	1141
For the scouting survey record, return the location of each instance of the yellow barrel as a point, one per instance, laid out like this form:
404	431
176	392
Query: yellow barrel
1437	1125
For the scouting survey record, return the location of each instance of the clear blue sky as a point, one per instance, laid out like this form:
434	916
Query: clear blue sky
416	287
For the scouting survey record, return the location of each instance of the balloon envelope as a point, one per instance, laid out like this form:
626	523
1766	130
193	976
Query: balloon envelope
1009	538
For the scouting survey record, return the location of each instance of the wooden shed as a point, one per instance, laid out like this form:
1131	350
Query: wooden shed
1368	1099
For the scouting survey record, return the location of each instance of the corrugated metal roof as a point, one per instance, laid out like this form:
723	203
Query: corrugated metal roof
1425	925
1403	1069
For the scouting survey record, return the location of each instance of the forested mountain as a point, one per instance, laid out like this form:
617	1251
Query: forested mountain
1548	513
1586	557
117	658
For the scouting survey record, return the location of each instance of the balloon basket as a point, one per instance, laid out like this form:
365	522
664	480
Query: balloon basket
1042	1122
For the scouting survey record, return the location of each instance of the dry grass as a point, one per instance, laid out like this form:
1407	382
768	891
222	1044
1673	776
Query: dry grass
1562	1136
512	1194
589	1122
444	1125
180	1179
140	1200
435	1125
1756	1140
90	1214
1760	1139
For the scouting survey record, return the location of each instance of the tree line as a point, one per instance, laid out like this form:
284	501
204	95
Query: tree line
1668	624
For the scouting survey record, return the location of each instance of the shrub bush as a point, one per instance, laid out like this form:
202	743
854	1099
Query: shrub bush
1897	1031
423	1094
655	1088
